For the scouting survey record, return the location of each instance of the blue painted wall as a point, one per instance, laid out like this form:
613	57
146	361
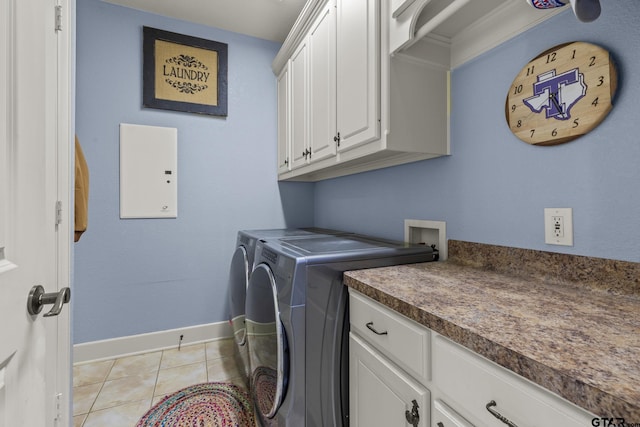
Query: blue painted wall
493	188
137	276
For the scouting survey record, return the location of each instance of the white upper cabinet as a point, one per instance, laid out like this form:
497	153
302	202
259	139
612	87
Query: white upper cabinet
322	84
299	142
369	80
283	121
358	72
311	102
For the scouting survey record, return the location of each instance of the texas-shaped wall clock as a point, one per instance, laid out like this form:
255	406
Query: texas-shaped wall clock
561	94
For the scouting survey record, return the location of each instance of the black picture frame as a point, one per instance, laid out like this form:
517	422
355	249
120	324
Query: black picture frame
184	80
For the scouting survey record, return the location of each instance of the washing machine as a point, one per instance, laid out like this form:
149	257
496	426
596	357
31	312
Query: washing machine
242	264
297	323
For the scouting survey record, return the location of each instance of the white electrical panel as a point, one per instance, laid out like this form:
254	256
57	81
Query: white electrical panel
148	171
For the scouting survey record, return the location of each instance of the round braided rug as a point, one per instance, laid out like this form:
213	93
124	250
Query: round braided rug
202	405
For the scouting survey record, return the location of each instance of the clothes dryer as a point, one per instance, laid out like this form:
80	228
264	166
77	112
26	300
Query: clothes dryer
297	323
242	263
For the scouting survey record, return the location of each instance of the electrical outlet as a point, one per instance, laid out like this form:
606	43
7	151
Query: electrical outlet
558	226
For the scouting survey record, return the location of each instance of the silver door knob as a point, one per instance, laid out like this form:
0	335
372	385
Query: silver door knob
37	298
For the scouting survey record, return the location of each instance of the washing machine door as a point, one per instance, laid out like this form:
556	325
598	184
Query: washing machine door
238	281
268	352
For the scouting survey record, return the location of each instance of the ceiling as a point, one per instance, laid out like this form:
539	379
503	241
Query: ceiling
265	19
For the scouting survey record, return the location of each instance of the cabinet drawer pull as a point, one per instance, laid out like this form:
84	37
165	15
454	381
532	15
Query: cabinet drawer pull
499	415
440	424
372	329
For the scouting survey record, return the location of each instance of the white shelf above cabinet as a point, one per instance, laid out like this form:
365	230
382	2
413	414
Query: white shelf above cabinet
399	6
406	29
469	27
473	29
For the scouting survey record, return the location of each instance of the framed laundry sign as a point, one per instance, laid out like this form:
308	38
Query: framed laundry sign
184	73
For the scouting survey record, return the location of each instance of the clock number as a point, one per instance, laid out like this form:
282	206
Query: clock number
595	102
513	108
574	54
592	62
519	124
517	90
530	70
554	132
600	80
551	57
575	123
532	132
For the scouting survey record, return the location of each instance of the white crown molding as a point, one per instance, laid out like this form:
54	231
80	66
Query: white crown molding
297	33
510	19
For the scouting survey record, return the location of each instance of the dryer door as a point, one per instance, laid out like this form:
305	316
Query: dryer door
268	352
238	281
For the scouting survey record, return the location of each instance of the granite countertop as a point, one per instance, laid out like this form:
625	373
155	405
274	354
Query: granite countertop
568	323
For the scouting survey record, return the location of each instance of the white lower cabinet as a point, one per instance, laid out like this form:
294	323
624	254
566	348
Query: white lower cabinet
443	416
468	390
401	340
485	392
381	395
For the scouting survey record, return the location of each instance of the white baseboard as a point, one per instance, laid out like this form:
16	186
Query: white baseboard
144	343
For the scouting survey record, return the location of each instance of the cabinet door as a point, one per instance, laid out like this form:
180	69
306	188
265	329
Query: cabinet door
358	75
380	393
322	84
299	106
283	121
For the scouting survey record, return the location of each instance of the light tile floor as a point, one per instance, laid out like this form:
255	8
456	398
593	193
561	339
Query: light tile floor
116	393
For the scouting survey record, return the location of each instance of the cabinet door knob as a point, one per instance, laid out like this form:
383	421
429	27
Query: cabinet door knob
413	417
337	139
498	415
